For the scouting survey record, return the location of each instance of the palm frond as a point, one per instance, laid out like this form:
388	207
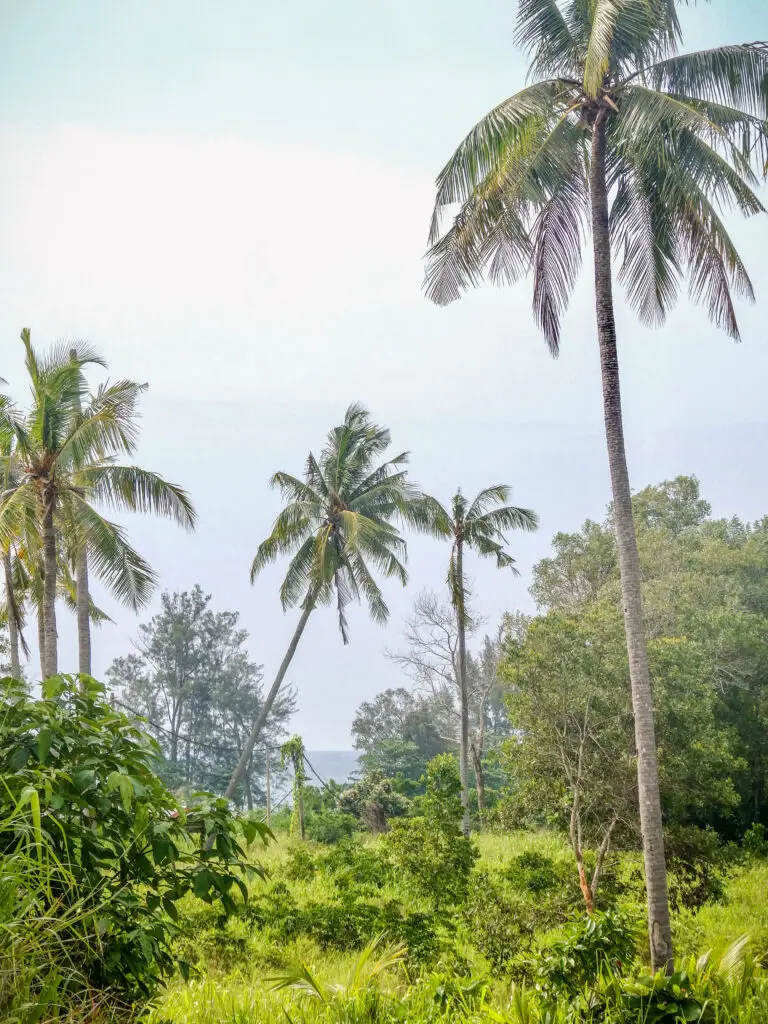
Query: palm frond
557	239
485	546
137	490
111	558
496	520
425	514
298	578
486	149
646	244
736	76
543	32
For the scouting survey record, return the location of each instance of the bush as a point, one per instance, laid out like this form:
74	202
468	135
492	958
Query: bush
535	873
330	826
501	923
755	842
698	866
430	852
301	865
373	801
355	866
601	942
113	852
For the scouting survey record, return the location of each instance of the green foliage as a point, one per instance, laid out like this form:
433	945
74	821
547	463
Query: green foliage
603	942
755	841
698	864
505	909
374	800
192	678
114	853
292	752
331	826
663	999
430	850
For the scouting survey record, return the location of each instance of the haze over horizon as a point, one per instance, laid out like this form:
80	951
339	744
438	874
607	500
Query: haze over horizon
233	206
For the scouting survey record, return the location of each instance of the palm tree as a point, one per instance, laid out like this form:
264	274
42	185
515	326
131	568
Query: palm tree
68	457
479	526
12	611
645	147
337	525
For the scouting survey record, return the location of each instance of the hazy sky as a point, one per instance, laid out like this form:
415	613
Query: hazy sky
230	200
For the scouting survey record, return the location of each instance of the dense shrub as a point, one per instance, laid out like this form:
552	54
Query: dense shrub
353	866
590	947
536	873
433	857
698	864
373	800
501	922
331	826
113	851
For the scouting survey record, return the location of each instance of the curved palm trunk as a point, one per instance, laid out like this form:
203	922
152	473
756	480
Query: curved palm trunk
258	725
464	744
642	697
13	624
50	657
83	599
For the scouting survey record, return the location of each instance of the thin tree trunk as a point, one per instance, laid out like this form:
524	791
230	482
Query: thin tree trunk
50	658
659	929
83	612
258	725
300	807
464	744
82	592
41	639
11	610
477	764
578	852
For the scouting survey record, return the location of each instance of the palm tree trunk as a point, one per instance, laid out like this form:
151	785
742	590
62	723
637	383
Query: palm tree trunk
83	599
82	595
41	639
659	929
258	725
13	624
464	744
50	657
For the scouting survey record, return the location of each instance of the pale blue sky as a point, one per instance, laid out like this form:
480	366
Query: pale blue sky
230	200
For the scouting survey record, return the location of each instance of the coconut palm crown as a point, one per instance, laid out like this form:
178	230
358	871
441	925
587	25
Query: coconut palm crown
63	463
337	521
685	138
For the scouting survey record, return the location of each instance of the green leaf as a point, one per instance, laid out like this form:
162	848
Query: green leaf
53	687
170	908
82	779
202	884
44	741
126	792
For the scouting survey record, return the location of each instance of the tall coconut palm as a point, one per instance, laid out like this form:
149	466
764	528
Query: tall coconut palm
68	451
12	611
337	524
645	147
478	526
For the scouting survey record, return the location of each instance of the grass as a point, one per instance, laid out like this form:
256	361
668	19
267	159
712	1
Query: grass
241	960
